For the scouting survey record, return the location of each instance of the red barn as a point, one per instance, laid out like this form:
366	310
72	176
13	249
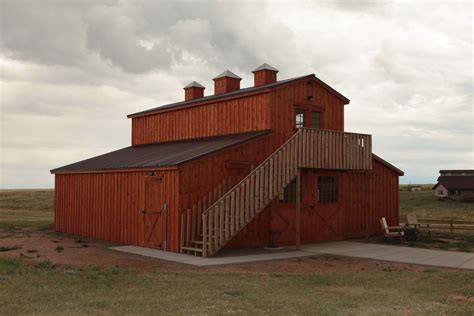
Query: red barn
265	165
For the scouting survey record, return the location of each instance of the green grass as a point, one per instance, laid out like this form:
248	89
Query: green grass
45	288
426	206
26	208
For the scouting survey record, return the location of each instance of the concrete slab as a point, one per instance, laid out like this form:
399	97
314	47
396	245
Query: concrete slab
451	260
373	253
411	255
467	265
400	254
201	262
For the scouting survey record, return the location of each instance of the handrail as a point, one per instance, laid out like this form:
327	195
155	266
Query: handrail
307	148
241	181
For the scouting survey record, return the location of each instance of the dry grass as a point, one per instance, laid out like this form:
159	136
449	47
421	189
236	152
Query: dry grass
44	288
425	205
26	208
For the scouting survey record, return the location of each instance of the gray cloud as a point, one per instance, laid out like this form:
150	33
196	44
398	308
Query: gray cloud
71	71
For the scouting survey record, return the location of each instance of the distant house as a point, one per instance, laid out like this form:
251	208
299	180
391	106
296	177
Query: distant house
414	188
455	184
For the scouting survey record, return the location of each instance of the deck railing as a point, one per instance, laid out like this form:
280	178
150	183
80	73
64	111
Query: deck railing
307	148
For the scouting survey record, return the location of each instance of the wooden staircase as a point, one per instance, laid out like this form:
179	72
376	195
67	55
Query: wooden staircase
307	148
191	219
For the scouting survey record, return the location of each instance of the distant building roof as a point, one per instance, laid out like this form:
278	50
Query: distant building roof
457	171
205	99
456	182
158	155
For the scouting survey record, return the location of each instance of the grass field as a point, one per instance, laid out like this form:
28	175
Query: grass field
427	206
46	289
41	287
26	208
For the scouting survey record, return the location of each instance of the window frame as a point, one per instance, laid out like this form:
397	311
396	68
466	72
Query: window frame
308	108
331	197
319	118
303	112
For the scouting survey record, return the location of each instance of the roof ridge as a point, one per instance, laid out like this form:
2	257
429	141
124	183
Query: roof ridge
265	66
194	84
229	74
219	96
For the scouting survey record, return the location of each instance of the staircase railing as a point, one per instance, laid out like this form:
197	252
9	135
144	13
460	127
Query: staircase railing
307	148
191	219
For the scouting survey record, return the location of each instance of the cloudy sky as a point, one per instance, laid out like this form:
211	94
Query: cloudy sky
72	70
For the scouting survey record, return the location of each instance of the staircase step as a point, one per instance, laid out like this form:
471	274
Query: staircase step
192	249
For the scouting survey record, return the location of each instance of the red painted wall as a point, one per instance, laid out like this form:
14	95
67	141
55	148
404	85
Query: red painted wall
108	206
219	118
332	221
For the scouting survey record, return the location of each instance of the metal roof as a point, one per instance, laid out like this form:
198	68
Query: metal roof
265	66
457	171
229	74
179	104
160	154
194	84
456	182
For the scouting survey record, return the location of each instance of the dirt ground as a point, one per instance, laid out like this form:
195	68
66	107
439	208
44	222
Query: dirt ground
64	249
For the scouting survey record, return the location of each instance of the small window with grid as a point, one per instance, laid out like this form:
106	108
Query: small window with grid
300	118
288	195
328	188
315	119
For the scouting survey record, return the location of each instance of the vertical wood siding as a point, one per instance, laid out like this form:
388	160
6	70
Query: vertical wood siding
349	220
108	206
199	177
219	118
383	199
282	108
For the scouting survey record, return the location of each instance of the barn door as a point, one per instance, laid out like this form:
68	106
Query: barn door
328	210
154	212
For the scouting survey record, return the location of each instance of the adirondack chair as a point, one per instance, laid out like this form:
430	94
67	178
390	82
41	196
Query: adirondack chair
412	221
392	231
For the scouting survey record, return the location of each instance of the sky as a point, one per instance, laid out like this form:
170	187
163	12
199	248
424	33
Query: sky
70	72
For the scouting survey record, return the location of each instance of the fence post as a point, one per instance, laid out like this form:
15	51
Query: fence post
451	228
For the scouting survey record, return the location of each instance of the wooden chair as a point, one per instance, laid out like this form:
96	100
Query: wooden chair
412	221
392	231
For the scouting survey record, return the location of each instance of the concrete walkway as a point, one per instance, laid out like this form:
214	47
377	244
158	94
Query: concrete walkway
437	258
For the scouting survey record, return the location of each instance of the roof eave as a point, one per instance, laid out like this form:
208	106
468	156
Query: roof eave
388	164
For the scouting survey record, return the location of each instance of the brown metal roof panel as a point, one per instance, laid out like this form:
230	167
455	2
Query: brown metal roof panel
160	154
457	182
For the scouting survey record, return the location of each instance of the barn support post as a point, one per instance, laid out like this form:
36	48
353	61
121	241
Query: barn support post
298	211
